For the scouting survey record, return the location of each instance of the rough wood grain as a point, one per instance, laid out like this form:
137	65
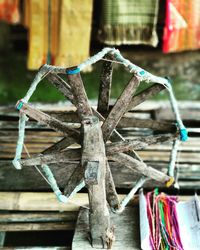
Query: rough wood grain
141	167
17	217
48	226
127	122
119	108
145	95
126	230
105	87
74	180
93	150
137	144
72	134
80	96
111	194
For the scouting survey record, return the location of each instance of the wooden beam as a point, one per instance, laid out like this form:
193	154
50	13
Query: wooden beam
61	85
94	161
145	95
119	108
70	155
105	87
18	217
141	167
80	96
131	122
75	179
111	194
72	134
137	144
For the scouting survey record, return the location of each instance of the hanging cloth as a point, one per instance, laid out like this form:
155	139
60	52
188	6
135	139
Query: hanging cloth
182	25
42	19
129	22
74	35
9	11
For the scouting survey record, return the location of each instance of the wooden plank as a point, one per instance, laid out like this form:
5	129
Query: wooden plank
127	122
119	108
47	226
126	230
17	217
105	87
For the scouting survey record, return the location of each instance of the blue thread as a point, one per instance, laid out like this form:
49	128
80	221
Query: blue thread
73	71
142	72
19	105
183	134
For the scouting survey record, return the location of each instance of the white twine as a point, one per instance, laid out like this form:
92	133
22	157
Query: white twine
173	157
20	142
130	195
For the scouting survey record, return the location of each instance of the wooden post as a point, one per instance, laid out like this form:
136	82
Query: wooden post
94	161
105	87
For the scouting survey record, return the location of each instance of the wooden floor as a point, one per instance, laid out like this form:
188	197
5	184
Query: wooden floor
26	208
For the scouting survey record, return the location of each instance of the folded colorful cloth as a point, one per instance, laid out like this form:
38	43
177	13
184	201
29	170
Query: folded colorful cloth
129	22
182	25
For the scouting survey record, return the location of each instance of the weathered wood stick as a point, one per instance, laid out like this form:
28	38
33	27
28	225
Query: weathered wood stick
142	168
78	91
126	122
70	155
145	95
77	88
111	194
105	87
119	108
94	160
74	180
60	145
73	135
137	144
61	85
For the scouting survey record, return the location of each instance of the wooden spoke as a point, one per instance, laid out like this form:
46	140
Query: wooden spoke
138	144
119	108
145	95
105	87
51	122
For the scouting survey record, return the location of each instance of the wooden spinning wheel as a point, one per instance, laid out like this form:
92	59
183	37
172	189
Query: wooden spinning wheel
98	138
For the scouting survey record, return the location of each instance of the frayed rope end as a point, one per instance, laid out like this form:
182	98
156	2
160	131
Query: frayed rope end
183	134
17	164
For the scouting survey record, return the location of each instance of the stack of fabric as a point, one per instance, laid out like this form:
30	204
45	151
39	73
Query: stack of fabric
129	22
182	25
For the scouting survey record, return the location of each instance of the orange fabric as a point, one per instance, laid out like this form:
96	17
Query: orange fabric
182	27
9	11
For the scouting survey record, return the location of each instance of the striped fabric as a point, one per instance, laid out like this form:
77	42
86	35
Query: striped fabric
129	22
182	26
